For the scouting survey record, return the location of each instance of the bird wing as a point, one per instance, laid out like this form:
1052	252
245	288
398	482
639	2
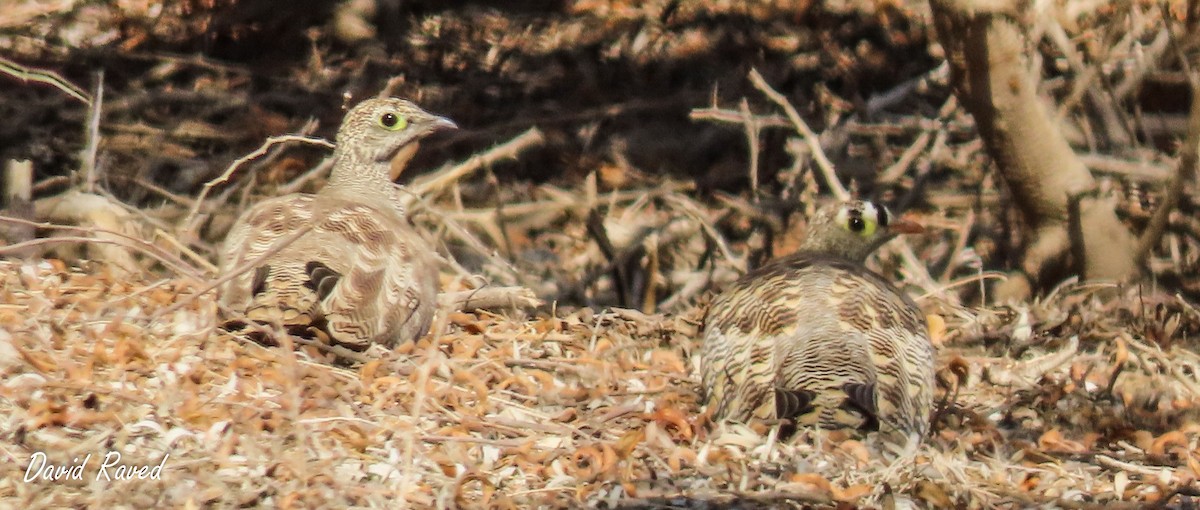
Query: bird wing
361	274
743	326
736	376
834	367
898	344
256	232
819	341
388	288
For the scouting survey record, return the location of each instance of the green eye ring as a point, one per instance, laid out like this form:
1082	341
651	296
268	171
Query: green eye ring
869	227
392	122
857	223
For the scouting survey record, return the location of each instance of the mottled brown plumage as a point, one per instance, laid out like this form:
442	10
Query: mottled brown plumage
817	338
361	275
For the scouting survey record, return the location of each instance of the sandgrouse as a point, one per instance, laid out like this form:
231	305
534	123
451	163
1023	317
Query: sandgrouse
360	274
817	338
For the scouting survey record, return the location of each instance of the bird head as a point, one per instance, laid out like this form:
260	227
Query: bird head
853	229
377	129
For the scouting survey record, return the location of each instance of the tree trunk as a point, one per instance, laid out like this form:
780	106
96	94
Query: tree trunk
992	78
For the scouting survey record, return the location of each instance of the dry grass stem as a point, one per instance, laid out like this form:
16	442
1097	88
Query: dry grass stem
43	76
188	223
92	140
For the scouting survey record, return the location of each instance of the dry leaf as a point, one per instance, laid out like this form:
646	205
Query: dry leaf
937	328
851	494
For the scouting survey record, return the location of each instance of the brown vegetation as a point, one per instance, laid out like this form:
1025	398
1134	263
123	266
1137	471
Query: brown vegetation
619	161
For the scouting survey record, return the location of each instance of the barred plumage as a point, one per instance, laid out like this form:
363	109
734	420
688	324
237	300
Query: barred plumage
817	338
360	275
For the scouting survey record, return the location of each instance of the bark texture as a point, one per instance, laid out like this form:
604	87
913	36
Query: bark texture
992	77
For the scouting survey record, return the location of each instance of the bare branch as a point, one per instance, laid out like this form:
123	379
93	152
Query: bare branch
443	177
1185	172
91	147
41	76
224	177
814	143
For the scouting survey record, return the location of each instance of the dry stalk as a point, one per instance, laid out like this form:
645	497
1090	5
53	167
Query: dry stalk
186	250
906	159
1116	125
545	211
18	190
806	133
650	293
1163	359
442	178
490	298
693	210
51	78
57	181
1143	171
464	235
92	140
188	221
1185	172
299	182
750	124
884	100
21	246
101	236
979	277
964	232
18	181
1146	61
735	117
159	190
1154	473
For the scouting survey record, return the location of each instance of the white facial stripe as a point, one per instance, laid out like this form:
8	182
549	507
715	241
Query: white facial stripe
870	211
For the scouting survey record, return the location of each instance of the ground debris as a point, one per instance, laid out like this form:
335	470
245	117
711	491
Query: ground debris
583	408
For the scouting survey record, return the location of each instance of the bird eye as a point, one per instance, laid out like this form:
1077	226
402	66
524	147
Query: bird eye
856	222
392	122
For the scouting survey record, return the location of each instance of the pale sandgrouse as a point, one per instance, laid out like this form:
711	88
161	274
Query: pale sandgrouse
818	339
360	275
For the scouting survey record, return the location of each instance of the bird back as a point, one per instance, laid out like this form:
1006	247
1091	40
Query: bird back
819	341
361	275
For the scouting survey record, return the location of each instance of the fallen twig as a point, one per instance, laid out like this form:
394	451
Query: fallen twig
442	178
490	298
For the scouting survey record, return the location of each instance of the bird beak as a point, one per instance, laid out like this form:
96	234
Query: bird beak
441	123
906	226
